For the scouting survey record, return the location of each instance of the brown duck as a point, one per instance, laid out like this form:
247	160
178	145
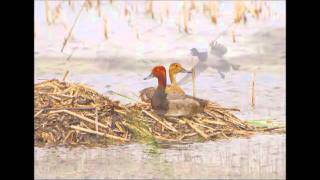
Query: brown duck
175	68
172	104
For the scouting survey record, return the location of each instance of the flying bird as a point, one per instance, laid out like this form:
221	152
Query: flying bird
214	59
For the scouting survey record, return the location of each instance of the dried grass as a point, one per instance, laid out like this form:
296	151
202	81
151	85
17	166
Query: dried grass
74	114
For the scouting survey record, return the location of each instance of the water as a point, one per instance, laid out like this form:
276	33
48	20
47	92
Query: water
262	156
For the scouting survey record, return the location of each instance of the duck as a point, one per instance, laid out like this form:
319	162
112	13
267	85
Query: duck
214	59
175	68
172	104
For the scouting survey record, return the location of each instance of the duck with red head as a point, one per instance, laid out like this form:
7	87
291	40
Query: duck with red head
158	72
175	68
172	104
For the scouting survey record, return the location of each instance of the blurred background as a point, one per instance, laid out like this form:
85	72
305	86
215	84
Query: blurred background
150	30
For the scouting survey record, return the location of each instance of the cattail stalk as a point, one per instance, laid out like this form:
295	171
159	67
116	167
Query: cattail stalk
65	75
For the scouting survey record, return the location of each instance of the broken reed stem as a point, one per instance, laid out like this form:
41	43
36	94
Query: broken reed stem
65	76
73	25
227	109
121	95
72	108
194	127
98	133
97	120
80	117
253	91
153	116
165	139
39	112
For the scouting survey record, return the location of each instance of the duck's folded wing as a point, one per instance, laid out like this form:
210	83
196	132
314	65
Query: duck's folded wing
218	49
202	102
181	97
147	93
199	68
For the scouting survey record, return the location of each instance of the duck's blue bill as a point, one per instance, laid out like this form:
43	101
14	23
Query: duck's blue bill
149	77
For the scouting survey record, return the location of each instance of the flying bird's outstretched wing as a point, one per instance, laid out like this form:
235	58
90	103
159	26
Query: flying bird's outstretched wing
217	49
199	67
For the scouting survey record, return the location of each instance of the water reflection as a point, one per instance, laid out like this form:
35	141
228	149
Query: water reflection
262	156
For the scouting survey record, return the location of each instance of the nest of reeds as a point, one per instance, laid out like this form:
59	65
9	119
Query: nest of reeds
74	114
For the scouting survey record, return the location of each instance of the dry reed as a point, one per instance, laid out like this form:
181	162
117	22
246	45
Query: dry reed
73	25
149	9
74	114
126	11
213	6
253	90
239	10
56	13
47	9
99	7
105	27
186	15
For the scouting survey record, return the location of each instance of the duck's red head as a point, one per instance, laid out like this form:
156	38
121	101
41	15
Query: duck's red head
160	73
